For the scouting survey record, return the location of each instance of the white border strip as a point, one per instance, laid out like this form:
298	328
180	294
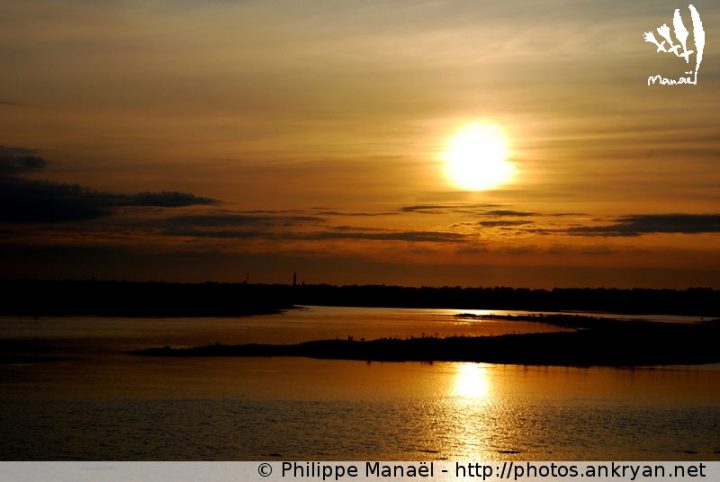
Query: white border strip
312	471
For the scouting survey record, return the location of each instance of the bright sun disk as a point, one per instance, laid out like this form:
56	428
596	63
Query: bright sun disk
476	158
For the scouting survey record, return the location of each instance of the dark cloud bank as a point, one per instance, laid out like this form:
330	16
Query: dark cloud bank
35	201
638	224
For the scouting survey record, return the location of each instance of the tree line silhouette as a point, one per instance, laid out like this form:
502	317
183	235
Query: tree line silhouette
125	298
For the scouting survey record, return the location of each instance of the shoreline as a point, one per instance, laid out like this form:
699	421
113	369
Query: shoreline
594	343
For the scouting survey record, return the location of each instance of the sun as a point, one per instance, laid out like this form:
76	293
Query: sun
476	158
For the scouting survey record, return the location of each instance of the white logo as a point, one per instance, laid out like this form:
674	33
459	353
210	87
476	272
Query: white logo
679	47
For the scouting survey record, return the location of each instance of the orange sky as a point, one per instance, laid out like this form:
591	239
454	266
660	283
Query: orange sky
177	140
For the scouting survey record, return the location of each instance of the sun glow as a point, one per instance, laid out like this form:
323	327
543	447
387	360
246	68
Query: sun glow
476	158
472	381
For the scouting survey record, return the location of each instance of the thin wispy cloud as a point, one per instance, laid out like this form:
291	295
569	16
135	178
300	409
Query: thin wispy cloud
448	208
353	213
368	235
508	223
240	220
639	224
510	213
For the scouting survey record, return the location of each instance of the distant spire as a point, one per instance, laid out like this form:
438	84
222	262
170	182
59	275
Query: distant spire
294	279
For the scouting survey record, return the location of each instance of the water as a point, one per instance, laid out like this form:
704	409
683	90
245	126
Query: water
73	394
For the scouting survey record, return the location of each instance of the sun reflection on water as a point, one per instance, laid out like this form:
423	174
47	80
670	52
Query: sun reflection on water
472	382
468	409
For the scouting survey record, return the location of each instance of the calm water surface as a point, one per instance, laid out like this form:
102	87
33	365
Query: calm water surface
71	393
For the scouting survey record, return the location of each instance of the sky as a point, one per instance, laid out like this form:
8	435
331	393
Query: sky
247	140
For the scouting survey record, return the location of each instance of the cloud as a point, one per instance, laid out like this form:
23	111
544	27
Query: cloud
27	201
240	220
509	213
639	224
23	201
167	199
487	210
409	236
358	214
494	224
36	201
412	236
426	208
355	228
287	227
447	208
15	160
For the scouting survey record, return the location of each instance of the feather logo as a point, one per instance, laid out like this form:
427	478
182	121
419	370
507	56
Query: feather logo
678	45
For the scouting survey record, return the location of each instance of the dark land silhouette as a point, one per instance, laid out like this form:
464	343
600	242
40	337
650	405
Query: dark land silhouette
593	341
596	342
122	298
131	299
